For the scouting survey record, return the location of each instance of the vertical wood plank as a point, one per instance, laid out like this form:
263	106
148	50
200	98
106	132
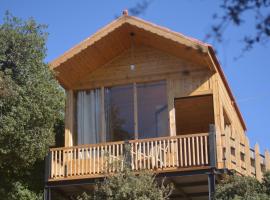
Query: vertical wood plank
135	100
198	151
69	118
247	157
189	151
258	162
267	160
185	152
181	153
52	164
177	153
202	150
171	109
103	123
193	151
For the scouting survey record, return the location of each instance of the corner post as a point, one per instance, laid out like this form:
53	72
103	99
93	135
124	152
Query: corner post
47	190
211	184
48	166
258	162
267	160
212	145
47	193
69	118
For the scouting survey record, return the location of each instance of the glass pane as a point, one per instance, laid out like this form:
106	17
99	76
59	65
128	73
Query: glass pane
119	113
152	110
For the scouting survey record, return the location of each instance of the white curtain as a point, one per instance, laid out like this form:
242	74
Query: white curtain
88	116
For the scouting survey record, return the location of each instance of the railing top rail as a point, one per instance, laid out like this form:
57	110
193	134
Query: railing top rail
168	137
87	145
129	141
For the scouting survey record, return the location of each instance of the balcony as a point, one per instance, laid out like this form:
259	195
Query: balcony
160	155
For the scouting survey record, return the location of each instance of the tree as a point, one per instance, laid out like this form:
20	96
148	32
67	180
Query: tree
243	188
31	101
234	12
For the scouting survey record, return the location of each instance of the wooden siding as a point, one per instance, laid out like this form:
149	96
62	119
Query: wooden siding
183	79
150	64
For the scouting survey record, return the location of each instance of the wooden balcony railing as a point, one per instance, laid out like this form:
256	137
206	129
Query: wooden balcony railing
158	154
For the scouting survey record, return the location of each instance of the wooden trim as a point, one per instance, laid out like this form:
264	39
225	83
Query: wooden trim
176	74
103	123
130	141
163	153
168	137
258	162
69	118
212	145
171	108
160	171
135	104
147	26
215	63
247	156
267	160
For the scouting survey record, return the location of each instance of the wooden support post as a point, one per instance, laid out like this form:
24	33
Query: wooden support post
267	160
47	193
217	113
211	185
135	111
237	151
69	118
103	124
212	145
48	167
258	162
171	108
247	157
228	160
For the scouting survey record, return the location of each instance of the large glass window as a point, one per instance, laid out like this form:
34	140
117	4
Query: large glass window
119	113
119	105
152	110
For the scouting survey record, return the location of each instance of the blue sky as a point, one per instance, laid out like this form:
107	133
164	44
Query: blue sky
249	77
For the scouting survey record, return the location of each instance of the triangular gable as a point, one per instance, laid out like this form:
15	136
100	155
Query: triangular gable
97	49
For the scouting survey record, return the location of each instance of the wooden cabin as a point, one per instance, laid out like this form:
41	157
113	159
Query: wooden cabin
161	93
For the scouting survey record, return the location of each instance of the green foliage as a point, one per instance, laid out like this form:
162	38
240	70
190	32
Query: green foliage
266	182
21	192
243	188
31	101
129	185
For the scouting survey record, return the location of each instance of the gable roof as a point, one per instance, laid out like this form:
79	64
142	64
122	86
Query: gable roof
113	39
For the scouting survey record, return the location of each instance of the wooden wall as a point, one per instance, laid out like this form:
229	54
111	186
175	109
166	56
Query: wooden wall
183	79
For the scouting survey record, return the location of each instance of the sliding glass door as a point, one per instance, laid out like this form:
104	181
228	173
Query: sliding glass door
152	110
132	111
119	113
